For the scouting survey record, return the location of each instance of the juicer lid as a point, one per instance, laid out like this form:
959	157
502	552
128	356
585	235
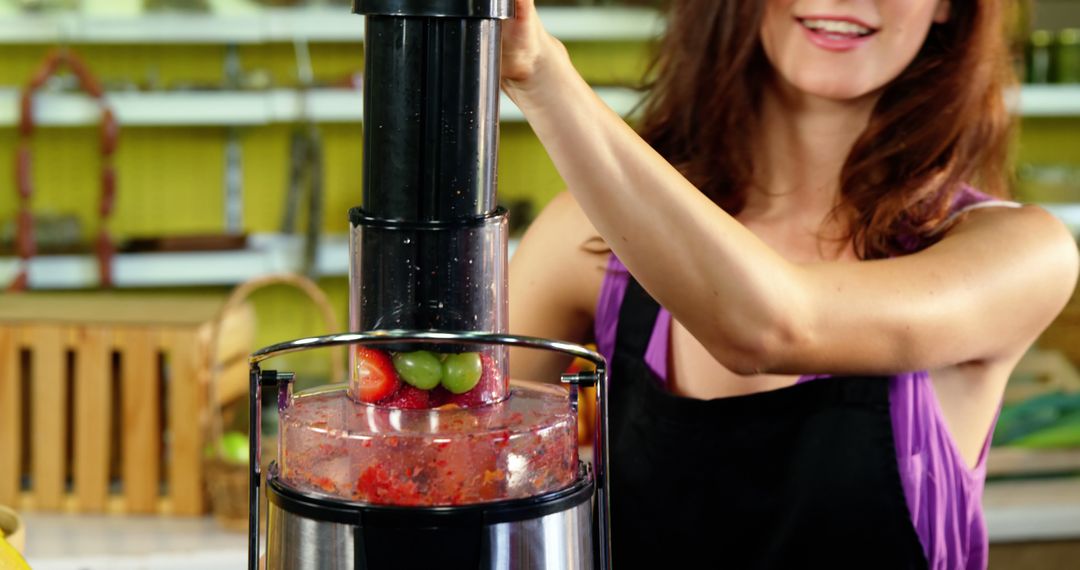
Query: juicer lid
498	9
359	217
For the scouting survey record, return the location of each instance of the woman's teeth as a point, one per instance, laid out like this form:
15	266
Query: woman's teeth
837	27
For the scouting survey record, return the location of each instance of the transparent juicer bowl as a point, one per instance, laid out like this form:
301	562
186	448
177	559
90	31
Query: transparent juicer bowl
522	446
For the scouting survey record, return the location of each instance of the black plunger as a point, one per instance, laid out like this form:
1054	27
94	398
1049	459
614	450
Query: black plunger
431	110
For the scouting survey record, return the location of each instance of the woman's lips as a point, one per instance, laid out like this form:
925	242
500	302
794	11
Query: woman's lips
836	34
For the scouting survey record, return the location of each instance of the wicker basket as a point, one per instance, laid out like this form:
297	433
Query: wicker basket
227	482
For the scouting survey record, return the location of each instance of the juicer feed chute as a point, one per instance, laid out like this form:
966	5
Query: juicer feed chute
432	275
428	455
428	244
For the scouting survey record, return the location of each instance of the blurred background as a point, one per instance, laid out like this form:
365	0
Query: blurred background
186	152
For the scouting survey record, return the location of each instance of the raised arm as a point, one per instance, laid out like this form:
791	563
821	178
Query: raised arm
985	290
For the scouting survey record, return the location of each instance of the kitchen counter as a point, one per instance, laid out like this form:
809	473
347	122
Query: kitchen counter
77	542
1047	509
1021	511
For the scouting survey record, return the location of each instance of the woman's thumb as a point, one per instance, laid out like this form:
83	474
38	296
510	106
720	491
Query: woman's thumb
524	10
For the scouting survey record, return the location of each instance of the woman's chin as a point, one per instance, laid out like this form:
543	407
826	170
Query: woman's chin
832	88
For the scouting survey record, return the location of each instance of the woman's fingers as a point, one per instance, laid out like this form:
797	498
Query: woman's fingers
521	42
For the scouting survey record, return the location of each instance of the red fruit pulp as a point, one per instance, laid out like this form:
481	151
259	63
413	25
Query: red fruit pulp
409	398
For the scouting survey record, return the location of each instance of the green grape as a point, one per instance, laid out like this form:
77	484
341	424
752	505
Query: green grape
421	369
461	372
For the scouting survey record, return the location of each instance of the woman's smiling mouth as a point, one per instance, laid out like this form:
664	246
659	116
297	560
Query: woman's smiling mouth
836	33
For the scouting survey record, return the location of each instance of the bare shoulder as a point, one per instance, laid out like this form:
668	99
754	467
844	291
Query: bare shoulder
562	251
1029	230
555	279
1030	245
564	213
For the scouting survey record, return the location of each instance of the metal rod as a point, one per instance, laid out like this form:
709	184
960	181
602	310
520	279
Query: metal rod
254	443
378	337
602	460
597	378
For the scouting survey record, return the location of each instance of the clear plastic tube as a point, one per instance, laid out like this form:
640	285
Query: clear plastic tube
429	276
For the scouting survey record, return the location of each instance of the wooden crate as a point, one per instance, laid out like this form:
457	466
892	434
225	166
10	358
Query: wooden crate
104	399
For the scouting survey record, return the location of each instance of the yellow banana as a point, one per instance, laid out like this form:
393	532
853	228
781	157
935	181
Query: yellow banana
10	559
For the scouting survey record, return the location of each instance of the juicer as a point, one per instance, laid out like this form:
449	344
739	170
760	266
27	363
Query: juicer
428	456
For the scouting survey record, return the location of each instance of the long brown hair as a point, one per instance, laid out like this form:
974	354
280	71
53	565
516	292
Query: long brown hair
940	124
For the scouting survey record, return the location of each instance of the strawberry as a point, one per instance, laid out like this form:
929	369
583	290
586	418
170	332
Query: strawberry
438	396
490	388
375	377
408	397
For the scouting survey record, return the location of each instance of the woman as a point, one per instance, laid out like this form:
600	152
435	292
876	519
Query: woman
840	311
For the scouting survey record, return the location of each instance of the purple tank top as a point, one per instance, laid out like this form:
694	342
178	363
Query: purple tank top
943	495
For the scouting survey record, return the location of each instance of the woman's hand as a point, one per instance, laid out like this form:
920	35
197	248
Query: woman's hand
526	46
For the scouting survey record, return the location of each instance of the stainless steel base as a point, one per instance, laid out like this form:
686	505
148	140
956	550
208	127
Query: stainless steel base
561	540
294	543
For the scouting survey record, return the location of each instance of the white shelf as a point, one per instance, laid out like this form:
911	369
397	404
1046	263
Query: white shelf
1050	101
248	108
316	24
596	24
228	108
143	109
265	254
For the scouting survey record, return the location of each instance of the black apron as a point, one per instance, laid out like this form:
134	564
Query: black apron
801	477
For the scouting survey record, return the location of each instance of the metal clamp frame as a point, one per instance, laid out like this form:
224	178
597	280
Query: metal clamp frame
259	378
